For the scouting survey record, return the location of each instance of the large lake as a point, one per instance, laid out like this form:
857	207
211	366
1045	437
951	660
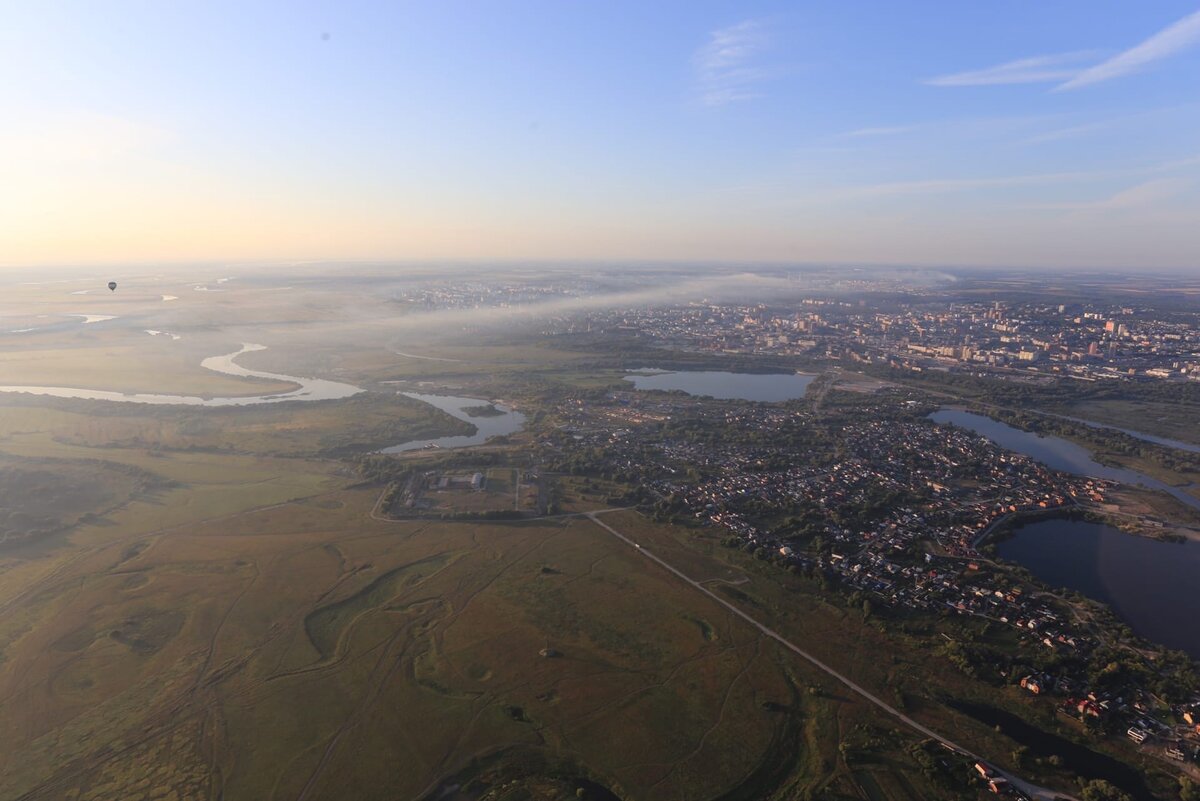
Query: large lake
1150	584
486	427
309	389
768	387
1054	452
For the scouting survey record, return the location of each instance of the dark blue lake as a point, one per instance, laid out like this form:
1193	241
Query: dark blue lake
1150	584
769	388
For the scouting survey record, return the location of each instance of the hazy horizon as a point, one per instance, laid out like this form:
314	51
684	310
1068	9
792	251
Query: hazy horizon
925	136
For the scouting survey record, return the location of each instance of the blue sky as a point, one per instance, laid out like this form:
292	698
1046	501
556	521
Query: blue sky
949	133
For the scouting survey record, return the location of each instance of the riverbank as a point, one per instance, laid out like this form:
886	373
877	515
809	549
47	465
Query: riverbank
1060	453
291	387
1173	463
1148	584
1006	525
507	421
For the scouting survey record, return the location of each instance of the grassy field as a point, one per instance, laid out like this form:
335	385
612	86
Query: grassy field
307	650
39	497
889	651
1160	419
1138	501
130	363
251	630
361	423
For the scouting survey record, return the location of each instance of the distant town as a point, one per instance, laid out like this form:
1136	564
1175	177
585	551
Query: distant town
1094	340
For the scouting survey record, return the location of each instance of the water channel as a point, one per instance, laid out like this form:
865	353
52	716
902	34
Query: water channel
486	426
508	421
1149	583
1170	443
1054	452
309	389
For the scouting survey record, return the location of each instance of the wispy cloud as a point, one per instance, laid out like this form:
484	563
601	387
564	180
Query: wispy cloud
893	130
1069	70
1037	69
1180	164
1150	188
1167	42
1071	132
948	185
725	68
1147	193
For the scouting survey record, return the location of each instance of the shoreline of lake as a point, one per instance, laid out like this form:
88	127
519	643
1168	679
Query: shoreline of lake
1054	451
723	385
1146	582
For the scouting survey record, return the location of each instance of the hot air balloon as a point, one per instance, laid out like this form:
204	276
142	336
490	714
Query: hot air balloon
112	286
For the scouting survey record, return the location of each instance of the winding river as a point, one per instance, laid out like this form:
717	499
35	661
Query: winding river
309	389
509	422
1169	443
1054	452
1147	582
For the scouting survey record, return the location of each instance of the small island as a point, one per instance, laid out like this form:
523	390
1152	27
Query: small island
485	410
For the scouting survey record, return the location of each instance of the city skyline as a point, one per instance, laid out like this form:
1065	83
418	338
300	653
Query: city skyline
933	134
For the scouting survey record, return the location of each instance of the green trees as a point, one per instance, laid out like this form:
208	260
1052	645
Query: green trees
1101	790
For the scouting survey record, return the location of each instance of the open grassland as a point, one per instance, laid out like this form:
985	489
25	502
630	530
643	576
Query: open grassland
361	423
194	487
889	653
126	362
39	497
1163	419
466	362
1137	502
306	650
474	366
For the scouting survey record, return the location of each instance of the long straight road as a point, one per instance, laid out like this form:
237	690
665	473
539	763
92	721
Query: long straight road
1033	790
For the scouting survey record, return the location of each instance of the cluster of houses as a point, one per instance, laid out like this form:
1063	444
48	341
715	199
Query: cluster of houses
1177	738
963	482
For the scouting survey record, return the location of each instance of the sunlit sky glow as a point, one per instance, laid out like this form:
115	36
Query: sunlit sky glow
946	133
